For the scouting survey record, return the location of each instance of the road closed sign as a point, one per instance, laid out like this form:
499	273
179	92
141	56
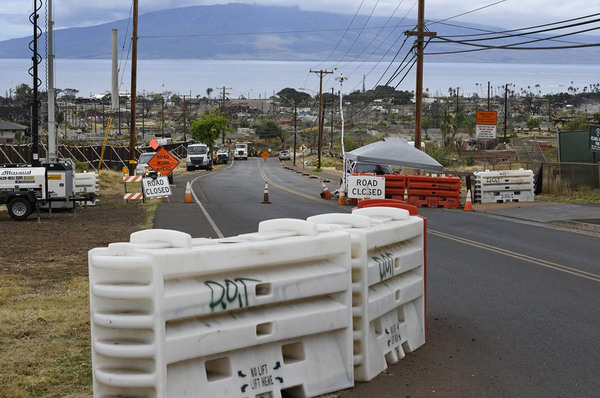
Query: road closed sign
366	187
156	187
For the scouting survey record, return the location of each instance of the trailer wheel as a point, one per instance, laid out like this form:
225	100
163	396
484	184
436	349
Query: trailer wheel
19	208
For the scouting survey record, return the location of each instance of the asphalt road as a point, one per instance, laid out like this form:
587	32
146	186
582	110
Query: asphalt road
512	307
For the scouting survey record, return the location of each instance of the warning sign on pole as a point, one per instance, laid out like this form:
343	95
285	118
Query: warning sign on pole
486	124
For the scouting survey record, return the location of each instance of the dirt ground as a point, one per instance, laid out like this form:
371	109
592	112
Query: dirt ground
44	295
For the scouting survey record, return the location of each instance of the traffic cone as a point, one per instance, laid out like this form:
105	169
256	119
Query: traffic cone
342	196
266	195
188	194
326	194
468	205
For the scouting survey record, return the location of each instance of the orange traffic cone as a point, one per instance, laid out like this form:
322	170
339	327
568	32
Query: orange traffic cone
468	205
342	196
326	194
188	194
266	195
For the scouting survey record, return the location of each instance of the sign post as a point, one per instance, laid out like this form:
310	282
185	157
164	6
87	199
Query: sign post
485	129
303	150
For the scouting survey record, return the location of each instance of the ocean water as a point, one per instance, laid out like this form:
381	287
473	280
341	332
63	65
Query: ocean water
257	79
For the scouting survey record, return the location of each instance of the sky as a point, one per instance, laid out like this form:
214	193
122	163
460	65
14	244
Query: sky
14	14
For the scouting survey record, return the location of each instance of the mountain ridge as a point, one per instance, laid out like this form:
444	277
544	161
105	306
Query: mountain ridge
241	32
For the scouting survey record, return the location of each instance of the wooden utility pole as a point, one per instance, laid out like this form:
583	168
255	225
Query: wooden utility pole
184	120
162	115
505	109
457	89
296	128
488	108
320	137
133	88
420	33
223	110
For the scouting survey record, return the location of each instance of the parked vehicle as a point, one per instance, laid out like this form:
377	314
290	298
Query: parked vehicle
142	166
241	151
367	168
24	188
284	155
198	156
223	155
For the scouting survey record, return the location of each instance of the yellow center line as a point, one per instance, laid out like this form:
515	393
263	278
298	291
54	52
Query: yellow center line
523	257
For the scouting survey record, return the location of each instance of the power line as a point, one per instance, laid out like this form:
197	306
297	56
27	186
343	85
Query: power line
467	12
445	38
488	32
359	33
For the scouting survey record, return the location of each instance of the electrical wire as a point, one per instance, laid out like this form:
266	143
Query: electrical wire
514	46
129	21
359	33
445	38
467	12
488	32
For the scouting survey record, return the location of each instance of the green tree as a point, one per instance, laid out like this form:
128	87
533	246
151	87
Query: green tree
579	123
447	128
209	128
268	128
533	123
290	95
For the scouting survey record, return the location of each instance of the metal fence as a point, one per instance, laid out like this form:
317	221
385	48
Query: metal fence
559	175
115	157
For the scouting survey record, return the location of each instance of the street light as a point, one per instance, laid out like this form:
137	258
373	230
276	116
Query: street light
341	79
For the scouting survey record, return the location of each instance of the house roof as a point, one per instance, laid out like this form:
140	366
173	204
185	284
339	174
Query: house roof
11	126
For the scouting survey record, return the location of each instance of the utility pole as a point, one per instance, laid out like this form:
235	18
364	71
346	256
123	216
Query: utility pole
332	115
320	139
295	128
133	88
420	33
488	96
505	109
162	115
223	109
184	119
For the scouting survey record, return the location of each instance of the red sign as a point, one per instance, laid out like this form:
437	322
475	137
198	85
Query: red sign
154	144
163	162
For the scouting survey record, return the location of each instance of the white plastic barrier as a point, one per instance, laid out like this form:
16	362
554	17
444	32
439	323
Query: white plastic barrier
504	186
86	182
257	315
388	284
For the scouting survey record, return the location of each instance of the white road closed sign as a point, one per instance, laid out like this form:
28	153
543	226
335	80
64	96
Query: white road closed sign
156	187
366	187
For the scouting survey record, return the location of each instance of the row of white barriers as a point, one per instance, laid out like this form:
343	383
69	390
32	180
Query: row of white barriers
299	308
86	182
504	186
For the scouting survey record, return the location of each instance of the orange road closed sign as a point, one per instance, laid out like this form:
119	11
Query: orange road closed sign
163	162
487	118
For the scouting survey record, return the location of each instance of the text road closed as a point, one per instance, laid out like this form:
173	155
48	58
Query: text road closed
156	187
366	187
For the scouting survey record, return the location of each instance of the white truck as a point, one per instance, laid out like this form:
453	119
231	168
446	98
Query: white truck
198	156
24	188
241	150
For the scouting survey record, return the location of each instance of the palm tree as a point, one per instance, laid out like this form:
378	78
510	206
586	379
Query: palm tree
447	128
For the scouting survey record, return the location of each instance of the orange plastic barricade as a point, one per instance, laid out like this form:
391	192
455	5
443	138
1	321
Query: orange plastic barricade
394	186
426	191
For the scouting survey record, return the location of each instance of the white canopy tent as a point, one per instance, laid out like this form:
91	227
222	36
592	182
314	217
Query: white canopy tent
395	151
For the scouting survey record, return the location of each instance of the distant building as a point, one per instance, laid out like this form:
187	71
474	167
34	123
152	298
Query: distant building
9	130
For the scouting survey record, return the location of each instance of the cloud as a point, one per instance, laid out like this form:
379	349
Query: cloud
14	14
